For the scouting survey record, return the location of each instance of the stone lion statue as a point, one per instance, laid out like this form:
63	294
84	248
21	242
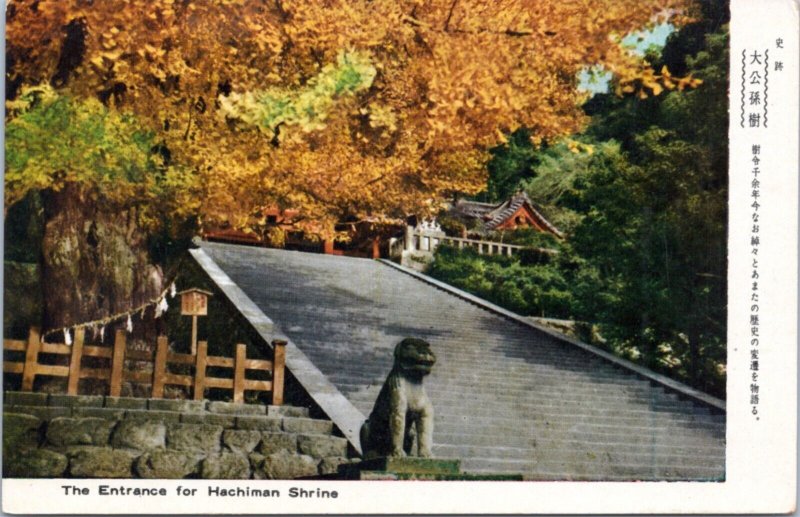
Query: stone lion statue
403	410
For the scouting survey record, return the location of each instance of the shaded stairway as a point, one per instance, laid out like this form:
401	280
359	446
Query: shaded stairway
508	397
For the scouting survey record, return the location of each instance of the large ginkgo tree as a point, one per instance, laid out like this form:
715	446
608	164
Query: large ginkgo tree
341	109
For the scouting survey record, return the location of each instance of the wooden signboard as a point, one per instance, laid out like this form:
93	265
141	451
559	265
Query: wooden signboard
194	302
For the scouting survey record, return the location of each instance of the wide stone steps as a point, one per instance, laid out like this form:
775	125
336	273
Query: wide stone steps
529	375
542	369
587	414
458	391
593	471
446	424
511	420
536	417
475	435
528	388
527	439
543	400
470	351
549	449
536	457
542	461
454	422
533	407
523	380
501	390
537	447
536	403
601	374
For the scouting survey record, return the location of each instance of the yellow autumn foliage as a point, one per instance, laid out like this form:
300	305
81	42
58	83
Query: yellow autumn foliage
241	91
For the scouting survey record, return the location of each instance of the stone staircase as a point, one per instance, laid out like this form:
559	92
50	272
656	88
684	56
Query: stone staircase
116	437
508	397
411	468
565	416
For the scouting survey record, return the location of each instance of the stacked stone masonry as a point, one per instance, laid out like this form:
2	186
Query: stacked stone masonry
57	436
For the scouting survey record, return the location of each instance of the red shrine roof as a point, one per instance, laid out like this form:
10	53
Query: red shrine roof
516	211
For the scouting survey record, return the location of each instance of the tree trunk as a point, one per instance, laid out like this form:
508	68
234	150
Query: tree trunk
95	259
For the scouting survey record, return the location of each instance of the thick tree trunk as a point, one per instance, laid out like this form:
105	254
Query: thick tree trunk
95	261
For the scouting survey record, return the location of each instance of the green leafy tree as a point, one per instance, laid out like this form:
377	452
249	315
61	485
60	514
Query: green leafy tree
654	232
642	195
306	107
53	140
526	288
509	164
107	190
561	176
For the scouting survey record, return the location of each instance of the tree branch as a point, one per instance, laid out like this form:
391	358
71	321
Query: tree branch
284	15
374	180
450	16
188	124
508	32
310	193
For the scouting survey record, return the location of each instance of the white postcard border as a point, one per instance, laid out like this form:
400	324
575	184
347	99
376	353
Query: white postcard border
761	457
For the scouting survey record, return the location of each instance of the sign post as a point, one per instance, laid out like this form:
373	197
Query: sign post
194	303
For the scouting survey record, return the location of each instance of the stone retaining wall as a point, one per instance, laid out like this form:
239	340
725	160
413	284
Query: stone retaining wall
58	436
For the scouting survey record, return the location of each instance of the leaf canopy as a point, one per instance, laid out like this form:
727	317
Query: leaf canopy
339	108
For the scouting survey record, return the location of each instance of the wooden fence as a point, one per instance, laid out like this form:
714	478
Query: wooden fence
116	373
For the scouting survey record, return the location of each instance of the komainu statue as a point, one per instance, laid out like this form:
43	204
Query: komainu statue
403	410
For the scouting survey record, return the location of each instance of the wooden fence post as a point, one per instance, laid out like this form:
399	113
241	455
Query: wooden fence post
278	363
75	363
160	367
117	362
200	370
31	359
238	373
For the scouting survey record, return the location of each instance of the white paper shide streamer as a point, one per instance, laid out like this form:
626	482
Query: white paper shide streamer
162	307
159	304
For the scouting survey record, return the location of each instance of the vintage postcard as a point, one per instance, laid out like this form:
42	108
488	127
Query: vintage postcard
400	256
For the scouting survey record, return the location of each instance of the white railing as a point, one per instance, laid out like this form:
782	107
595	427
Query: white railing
426	241
423	241
484	247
